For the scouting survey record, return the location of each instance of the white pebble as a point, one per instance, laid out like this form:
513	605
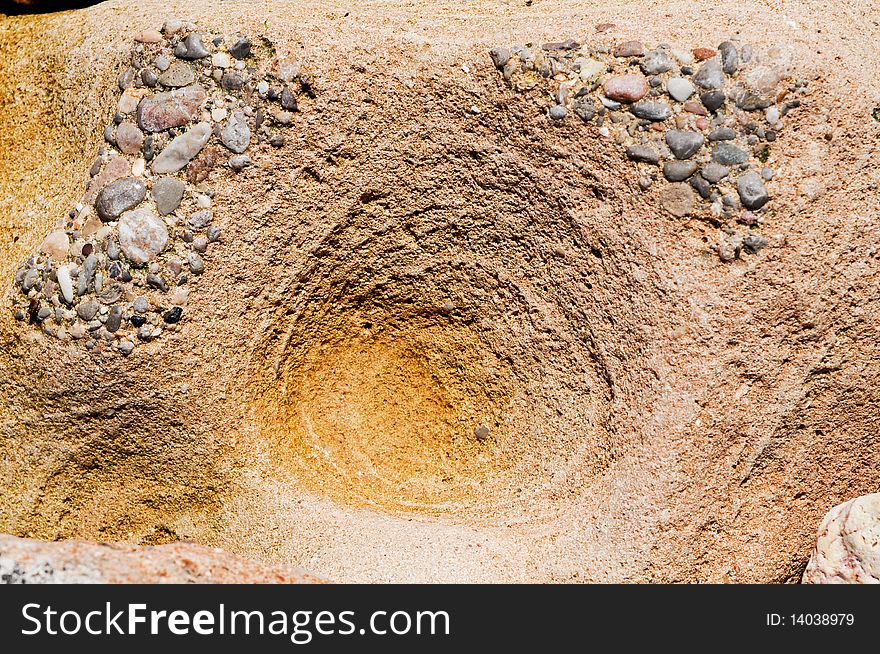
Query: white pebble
772	115
475	110
239	65
203	201
138	167
263	87
604	131
218	114
715	208
65	283
465	68
221	60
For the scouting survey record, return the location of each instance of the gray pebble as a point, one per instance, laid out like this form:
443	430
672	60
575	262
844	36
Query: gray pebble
653	111
241	49
213	234
108	135
119	196
678	171
191	47
584	109
140	304
276	141
156	282
200	244
729	57
288	100
722	134
558	112
114	319
683	143
644	153
702	187
236	135
767	174
149	78
752	191
710	75
231	81
239	162
196	264
44	313
86	275
655	62
728	154
754	242
167	193
125	347
712	100
87	310
200	219
126	78
714	172
748	100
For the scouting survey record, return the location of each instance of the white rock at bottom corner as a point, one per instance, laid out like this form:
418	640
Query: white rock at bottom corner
848	545
142	235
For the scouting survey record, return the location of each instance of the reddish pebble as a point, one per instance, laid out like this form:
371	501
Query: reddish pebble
694	107
604	27
87	249
702	123
658	127
629	49
626	88
701	54
148	36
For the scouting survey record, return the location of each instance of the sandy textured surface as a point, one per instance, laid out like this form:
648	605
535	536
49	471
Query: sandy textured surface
656	415
24	561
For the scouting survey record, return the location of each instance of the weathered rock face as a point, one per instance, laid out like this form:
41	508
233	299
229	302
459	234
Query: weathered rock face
848	546
422	254
27	561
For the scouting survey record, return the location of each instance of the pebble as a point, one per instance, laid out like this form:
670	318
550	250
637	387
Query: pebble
678	171
129	138
114	319
236	135
239	162
729	57
263	87
499	57
584	108
221	60
726	252
655	63
200	219
142	235
213	234
149	78
65	283
231	81
129	100
86	274
276	141
712	100
728	154
644	153
626	88
167	193
119	196
172	109
679	88
87	310
173	315
645	183
751	190
140	304
241	49
772	115
653	111
702	54
558	112
179	74
694	107
125	347
56	245
748	100
162	62
126	78
148	36
481	432
683	143
200	244
767	174
710	75
288	100
629	49
701	186
196	264
191	47
714	172
182	149
677	199
754	242
155	281
722	134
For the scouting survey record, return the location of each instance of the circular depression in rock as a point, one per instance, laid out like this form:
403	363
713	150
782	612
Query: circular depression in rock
438	375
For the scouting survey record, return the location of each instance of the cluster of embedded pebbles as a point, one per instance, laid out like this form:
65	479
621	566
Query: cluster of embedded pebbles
117	270
701	121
